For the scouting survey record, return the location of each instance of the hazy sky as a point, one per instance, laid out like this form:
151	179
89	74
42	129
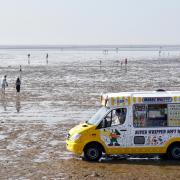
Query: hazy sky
89	22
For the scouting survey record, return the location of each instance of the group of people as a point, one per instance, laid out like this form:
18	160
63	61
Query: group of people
47	56
125	62
4	84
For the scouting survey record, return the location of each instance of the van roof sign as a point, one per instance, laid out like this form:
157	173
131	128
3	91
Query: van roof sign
146	97
157	99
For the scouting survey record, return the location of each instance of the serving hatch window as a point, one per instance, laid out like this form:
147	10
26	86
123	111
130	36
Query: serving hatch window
150	115
156	115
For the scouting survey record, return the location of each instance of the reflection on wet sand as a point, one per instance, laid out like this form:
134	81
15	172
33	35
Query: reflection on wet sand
18	102
4	101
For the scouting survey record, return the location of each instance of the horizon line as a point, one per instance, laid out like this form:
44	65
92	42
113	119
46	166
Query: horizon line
156	47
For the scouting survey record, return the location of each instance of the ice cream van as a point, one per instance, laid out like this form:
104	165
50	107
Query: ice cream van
130	123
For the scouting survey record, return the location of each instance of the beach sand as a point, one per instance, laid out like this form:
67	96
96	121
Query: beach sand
53	99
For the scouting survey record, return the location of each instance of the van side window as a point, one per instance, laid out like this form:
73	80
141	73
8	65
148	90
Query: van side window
150	115
139	115
157	115
115	117
119	116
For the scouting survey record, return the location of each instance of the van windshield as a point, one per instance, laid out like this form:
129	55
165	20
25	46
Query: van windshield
98	116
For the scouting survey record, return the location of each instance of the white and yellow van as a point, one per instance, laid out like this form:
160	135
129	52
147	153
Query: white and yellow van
130	123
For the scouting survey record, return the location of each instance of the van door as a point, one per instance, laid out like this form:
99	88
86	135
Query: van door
113	129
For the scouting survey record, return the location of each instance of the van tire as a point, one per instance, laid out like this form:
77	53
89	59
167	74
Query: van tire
92	152
174	152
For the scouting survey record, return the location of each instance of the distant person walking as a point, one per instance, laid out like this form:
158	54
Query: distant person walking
20	71
47	56
125	61
29	58
4	84
100	62
18	85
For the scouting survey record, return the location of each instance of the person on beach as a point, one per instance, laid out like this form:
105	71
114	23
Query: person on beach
121	115
20	71
4	84
20	68
18	85
100	62
125	61
117	62
47	58
29	58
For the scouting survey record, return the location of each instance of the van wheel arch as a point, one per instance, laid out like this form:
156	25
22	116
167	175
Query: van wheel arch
171	150
93	151
95	143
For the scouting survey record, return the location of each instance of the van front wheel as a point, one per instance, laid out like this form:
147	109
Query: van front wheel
92	152
174	152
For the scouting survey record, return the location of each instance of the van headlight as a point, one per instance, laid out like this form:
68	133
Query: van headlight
74	137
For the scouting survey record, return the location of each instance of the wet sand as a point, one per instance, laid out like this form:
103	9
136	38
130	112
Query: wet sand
54	98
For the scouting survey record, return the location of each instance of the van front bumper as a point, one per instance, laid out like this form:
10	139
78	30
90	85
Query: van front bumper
76	148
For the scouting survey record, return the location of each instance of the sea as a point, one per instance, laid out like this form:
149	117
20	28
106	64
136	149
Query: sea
14	57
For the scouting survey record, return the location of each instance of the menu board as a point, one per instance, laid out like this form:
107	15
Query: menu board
173	114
